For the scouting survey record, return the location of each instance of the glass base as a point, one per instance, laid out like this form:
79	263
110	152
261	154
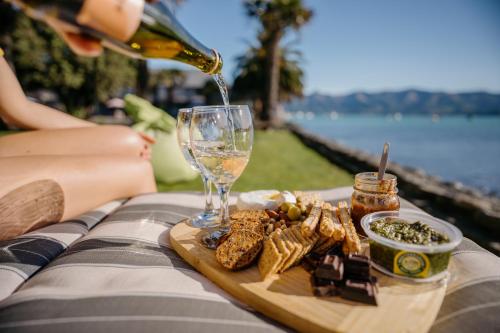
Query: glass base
207	219
212	238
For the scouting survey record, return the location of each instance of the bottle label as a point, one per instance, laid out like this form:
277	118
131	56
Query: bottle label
412	264
118	19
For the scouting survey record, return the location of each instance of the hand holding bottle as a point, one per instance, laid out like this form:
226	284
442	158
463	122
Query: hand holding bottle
115	18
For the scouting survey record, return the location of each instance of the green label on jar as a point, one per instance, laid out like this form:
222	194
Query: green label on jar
411	264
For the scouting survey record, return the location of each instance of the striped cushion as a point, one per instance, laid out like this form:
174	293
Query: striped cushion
21	257
123	276
472	301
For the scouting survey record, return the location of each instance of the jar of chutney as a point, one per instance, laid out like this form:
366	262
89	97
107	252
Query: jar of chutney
372	195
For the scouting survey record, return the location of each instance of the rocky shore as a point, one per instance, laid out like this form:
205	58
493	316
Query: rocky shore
477	215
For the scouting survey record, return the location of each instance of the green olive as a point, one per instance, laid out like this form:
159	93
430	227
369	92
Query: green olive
294	213
285	206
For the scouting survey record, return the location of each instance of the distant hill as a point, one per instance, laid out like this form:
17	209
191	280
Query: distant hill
405	102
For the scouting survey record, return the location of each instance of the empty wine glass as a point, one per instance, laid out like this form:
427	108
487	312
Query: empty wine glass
221	142
209	216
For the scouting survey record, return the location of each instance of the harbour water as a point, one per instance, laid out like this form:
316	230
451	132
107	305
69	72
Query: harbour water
454	148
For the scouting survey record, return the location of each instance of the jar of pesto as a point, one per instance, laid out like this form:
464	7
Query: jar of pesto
410	244
372	195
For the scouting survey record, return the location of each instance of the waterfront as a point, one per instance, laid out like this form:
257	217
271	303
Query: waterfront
454	148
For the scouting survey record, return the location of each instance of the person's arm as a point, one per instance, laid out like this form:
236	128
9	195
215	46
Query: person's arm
17	110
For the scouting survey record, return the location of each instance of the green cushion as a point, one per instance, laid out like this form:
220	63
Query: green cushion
168	162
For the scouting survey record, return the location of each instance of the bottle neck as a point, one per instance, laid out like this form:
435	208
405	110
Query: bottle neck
157	18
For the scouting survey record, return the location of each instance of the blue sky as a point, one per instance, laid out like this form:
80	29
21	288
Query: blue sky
367	45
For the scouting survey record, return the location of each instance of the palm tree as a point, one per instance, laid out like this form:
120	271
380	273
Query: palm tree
249	77
276	17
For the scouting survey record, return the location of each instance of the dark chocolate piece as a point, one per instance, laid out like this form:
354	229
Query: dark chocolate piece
323	287
330	268
363	292
357	267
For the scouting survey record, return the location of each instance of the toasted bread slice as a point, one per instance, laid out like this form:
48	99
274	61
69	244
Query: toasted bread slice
239	249
351	244
330	225
309	225
249	215
247	224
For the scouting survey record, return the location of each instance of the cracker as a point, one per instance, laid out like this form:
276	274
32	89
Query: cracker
296	252
277	237
307	242
269	260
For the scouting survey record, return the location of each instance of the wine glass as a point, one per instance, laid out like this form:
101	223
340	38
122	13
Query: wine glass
209	216
221	142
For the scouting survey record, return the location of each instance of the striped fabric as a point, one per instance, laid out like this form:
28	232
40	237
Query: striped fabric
124	276
22	257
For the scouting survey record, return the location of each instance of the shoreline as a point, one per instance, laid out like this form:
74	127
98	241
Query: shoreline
476	214
480	176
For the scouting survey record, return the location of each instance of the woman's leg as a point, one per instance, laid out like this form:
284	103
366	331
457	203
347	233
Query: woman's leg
99	140
85	182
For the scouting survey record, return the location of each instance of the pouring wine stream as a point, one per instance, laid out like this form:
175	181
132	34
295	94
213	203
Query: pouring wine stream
221	83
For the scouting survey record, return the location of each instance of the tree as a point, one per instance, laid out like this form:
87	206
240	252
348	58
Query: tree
249	76
8	18
276	18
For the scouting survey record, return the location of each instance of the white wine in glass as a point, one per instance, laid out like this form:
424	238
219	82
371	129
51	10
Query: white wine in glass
221	142
209	216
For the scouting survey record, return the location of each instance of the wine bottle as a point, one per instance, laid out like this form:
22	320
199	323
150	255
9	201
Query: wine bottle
133	27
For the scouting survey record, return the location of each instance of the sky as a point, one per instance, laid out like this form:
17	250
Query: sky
367	45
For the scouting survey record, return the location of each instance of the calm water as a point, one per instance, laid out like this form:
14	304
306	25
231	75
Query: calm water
453	148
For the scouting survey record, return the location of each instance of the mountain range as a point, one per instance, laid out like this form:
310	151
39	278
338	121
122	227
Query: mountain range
404	102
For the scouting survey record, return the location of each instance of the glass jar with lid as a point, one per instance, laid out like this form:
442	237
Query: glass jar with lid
372	195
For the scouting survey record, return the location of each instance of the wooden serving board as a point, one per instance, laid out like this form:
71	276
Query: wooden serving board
287	298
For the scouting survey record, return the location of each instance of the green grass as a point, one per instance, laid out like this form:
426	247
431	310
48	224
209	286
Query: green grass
280	161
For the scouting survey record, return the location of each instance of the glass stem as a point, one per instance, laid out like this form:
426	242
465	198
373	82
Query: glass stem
207	185
224	206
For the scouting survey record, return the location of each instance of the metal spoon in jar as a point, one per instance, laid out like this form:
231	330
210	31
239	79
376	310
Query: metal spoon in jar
383	162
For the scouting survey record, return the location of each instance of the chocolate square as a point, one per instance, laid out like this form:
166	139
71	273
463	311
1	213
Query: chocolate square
358	291
322	287
331	268
357	267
